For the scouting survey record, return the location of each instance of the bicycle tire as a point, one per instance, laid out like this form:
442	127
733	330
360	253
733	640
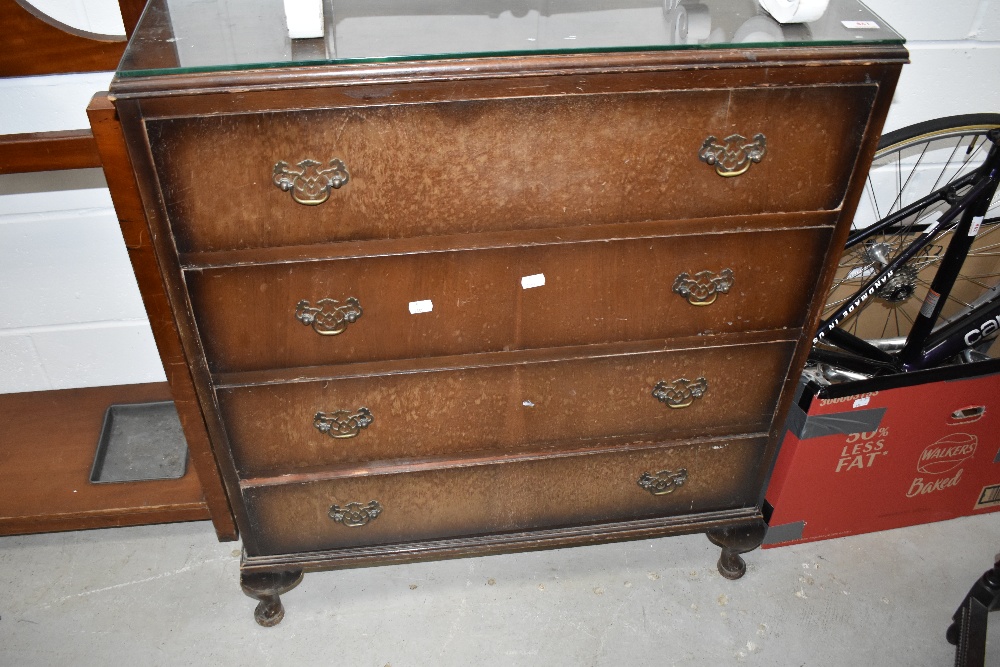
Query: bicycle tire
906	161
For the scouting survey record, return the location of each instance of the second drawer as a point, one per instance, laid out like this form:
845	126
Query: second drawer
507	408
307	313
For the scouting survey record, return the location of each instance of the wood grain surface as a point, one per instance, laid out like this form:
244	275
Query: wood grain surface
517	163
504	497
594	292
131	218
48	151
48	440
513	407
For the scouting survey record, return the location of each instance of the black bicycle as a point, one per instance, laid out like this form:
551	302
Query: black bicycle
918	284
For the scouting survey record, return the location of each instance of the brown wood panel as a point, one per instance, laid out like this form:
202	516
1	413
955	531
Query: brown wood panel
45	151
483	165
34	43
595	292
504	497
131	11
513	407
128	207
47	444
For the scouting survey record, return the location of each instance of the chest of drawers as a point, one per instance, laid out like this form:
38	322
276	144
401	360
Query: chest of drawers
440	307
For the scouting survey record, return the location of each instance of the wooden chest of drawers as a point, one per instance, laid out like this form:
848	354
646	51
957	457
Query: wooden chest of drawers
440	308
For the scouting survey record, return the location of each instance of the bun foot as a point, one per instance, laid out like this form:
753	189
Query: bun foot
266	587
269	614
736	540
731	565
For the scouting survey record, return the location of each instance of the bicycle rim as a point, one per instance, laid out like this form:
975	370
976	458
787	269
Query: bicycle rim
909	164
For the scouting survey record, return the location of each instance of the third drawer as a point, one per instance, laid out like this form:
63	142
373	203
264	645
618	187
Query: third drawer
511	406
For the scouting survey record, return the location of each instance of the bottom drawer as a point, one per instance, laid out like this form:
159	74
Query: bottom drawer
502	497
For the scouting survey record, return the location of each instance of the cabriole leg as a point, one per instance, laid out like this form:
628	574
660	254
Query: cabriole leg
736	540
266	587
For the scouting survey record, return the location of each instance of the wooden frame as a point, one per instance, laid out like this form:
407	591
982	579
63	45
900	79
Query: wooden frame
46	461
46	466
36	44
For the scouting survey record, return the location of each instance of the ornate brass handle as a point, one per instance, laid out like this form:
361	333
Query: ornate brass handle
343	423
328	317
663	482
356	515
308	184
704	287
734	155
681	392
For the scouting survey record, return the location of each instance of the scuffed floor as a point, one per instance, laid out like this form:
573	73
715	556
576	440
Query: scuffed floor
169	595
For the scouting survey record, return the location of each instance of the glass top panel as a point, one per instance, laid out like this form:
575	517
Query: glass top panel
178	36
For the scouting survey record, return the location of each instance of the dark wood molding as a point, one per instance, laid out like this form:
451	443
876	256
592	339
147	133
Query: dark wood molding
128	206
48	151
494	69
484	545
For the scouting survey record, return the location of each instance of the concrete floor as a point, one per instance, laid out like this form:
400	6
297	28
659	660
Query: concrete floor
168	595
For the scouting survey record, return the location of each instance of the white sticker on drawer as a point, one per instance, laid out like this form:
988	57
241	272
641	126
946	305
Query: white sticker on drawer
424	306
536	280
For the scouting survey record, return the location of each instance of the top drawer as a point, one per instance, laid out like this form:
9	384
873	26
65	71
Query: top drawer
503	164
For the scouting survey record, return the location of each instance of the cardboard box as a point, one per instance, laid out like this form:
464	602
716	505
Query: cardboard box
885	453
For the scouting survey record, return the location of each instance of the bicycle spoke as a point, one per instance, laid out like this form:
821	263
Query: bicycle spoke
979	275
958	174
974	281
989	247
952	297
833	305
947	162
871	196
899	197
886	325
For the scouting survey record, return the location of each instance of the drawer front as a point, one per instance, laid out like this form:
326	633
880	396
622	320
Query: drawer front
505	409
504	497
249	317
516	163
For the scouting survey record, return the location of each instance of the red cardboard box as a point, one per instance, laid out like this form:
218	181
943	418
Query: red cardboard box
885	453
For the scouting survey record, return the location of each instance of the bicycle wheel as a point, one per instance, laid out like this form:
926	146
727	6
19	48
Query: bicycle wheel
909	164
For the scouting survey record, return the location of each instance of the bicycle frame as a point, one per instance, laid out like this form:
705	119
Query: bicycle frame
923	348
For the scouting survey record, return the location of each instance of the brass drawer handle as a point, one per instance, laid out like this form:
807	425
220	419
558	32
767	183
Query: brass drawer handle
356	515
681	392
663	482
328	317
343	423
704	287
735	155
309	185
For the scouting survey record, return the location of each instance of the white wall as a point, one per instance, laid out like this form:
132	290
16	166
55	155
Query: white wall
955	58
70	314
